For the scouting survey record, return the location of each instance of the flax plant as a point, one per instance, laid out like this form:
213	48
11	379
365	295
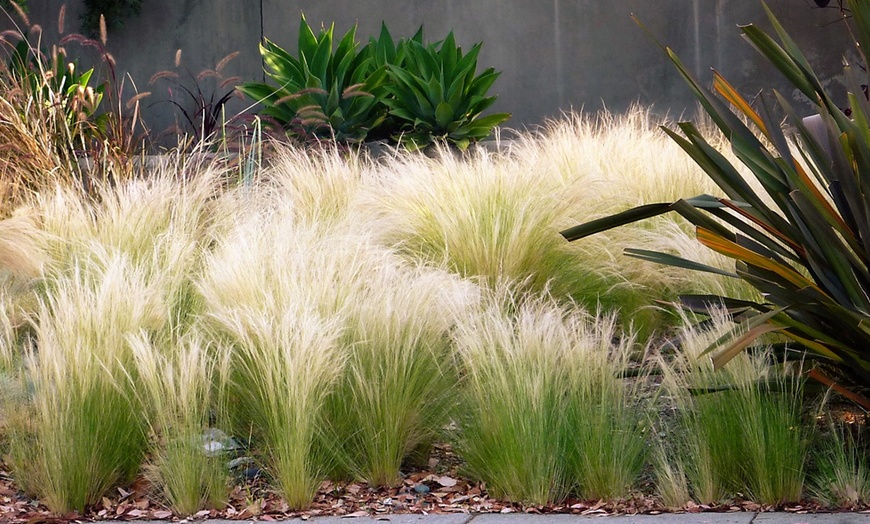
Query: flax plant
175	389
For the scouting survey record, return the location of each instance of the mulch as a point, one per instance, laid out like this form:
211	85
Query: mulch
437	489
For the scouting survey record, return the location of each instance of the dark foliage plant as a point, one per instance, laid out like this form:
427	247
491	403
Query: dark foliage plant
800	233
202	107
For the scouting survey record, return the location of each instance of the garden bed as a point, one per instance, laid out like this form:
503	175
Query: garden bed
330	297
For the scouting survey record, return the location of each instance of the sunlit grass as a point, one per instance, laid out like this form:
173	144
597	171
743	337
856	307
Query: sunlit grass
496	217
330	309
280	328
85	433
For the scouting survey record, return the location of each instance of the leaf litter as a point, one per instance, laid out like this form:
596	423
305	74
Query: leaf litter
446	492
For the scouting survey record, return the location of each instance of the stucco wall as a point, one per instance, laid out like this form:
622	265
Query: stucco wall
554	54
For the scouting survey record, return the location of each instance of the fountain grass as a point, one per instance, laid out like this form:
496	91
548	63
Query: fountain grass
84	433
280	327
495	216
281	370
339	297
841	476
605	413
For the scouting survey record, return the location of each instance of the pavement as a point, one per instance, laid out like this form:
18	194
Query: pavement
520	518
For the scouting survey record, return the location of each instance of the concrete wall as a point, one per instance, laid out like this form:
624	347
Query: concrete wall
554	55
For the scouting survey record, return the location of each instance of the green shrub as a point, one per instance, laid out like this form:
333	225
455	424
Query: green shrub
736	430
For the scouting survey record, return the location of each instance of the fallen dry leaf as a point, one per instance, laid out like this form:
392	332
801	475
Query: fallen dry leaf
447	482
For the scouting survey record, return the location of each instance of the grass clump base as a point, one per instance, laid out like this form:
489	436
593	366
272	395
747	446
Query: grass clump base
739	429
546	413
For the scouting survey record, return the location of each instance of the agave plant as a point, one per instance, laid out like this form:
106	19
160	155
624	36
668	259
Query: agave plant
435	93
322	94
802	237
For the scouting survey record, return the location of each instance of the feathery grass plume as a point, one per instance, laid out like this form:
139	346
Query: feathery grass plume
492	216
267	259
21	252
174	387
276	295
544	413
841	477
603	413
85	433
13	386
322	183
398	388
38	146
607	157
11	352
672	484
738	429
161	224
625	159
281	371
487	219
